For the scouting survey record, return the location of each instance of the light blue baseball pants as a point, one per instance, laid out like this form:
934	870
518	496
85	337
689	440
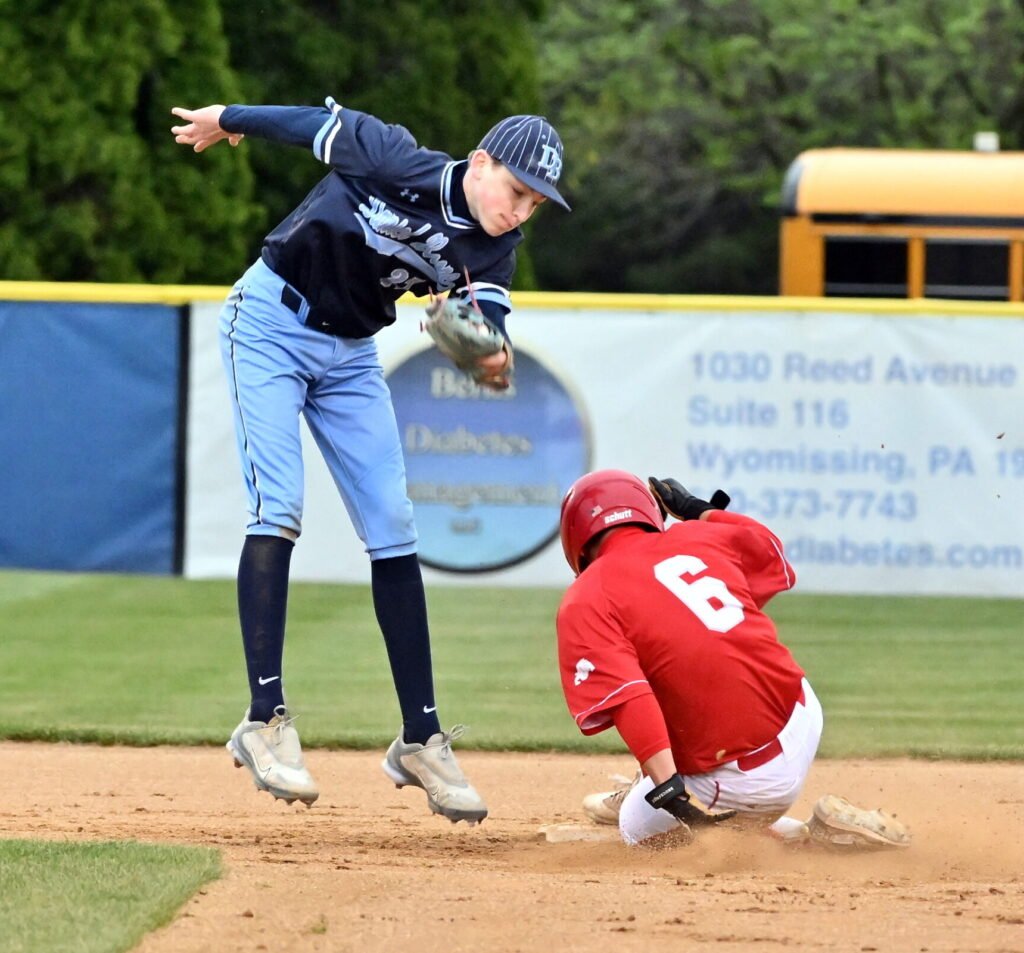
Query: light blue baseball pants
277	368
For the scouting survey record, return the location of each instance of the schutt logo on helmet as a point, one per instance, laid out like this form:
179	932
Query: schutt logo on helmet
600	501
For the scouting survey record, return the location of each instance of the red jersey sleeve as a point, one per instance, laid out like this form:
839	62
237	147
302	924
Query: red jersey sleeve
764	563
641	723
597	662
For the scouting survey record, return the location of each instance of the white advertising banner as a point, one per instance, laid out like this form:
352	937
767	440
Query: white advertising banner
886	450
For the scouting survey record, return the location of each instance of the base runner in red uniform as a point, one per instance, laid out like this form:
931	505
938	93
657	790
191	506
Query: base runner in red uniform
662	636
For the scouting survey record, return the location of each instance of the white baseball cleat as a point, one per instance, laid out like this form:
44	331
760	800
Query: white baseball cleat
272	753
838	823
604	807
432	767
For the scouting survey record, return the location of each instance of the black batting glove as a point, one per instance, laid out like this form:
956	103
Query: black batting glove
720	500
671	796
673	498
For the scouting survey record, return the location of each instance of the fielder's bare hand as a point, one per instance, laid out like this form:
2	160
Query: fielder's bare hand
203	128
493	367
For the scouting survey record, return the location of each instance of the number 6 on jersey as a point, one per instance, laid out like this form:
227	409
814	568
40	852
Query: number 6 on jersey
697	595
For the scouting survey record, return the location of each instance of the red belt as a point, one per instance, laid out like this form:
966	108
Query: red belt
767	752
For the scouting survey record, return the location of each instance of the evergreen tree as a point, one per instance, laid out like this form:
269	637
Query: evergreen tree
92	185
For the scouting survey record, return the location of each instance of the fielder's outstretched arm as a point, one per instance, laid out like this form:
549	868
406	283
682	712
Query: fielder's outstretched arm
292	125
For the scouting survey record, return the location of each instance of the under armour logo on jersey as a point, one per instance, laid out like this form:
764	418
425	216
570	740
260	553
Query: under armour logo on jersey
411	196
583	669
551	162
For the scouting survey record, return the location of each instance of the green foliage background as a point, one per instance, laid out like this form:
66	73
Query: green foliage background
92	185
679	119
683	115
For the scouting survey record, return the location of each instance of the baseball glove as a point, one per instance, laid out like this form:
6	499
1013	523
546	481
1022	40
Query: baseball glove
464	335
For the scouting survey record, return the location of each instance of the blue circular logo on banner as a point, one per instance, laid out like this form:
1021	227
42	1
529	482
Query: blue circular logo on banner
486	470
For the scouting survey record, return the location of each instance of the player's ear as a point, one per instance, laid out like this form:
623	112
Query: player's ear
478	160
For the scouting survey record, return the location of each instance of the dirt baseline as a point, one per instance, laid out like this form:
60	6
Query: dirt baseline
368	868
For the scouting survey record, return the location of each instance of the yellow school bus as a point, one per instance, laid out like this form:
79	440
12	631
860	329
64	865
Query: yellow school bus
902	223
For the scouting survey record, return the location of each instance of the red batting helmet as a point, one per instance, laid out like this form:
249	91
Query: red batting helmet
599	501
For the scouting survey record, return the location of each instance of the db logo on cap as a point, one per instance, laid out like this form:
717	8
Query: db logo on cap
551	162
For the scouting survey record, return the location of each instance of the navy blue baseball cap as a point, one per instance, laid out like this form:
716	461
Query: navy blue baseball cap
531	150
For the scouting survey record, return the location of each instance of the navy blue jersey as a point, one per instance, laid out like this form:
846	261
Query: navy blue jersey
389	217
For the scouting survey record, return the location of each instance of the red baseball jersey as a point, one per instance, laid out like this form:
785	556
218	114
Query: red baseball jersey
678	614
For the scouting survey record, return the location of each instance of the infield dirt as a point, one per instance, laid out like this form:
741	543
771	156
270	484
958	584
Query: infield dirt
369	869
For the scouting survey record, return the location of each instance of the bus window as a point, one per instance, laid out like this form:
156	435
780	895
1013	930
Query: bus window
865	267
974	270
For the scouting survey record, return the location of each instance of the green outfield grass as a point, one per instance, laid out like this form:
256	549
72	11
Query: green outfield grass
144	660
93	897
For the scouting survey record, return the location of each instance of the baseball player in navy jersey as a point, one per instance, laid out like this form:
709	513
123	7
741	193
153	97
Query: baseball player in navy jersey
297	337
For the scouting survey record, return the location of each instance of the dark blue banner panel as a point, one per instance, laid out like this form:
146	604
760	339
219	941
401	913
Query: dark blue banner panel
89	403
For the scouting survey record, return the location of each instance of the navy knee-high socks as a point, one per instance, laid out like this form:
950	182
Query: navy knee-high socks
398	600
401	607
262	605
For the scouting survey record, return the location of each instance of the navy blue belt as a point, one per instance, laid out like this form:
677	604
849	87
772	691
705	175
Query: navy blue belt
291	299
